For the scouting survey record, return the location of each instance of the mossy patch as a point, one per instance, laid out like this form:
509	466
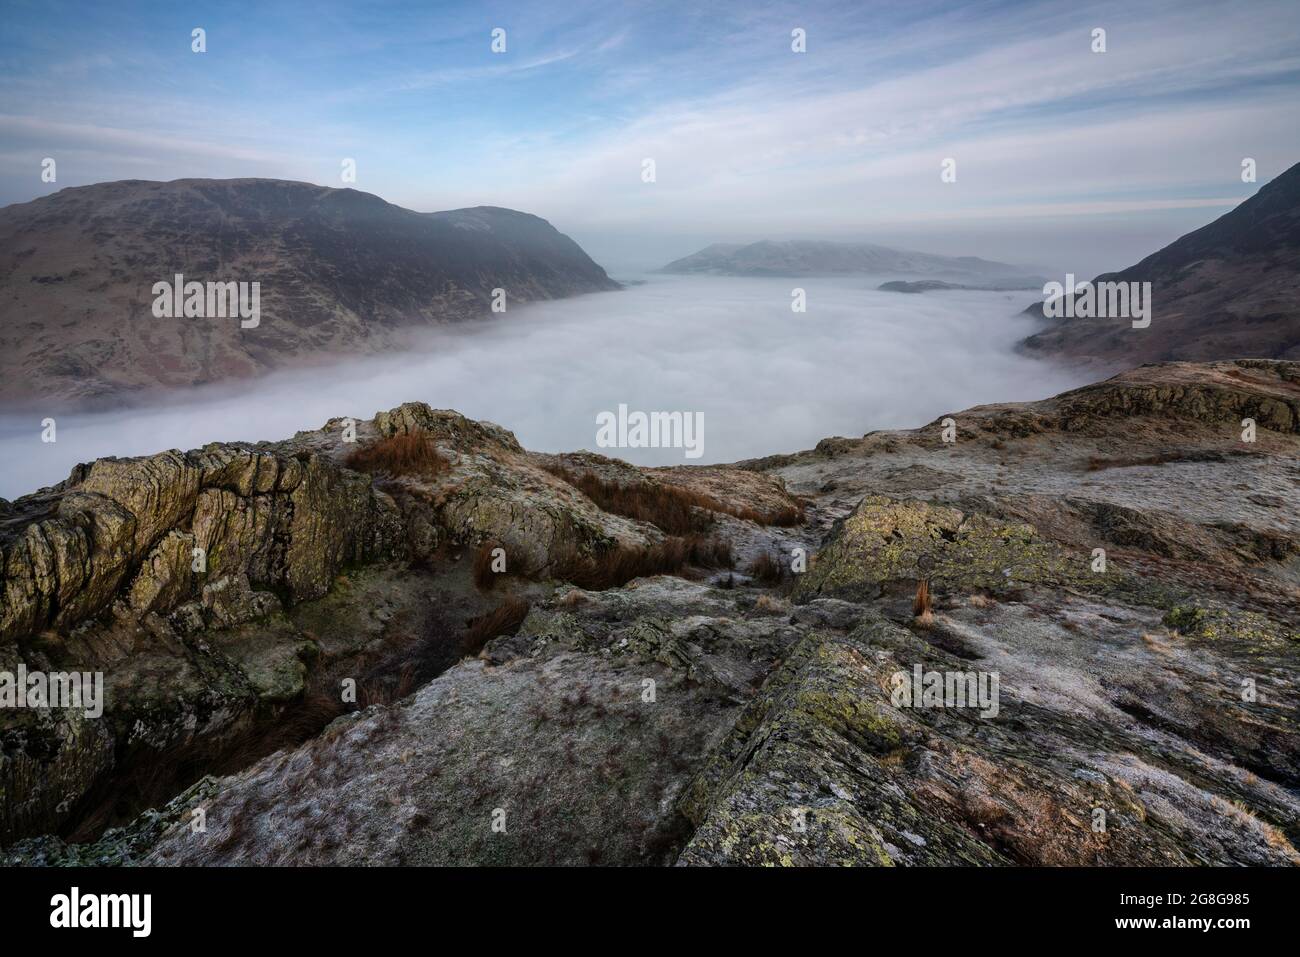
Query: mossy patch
119	846
1221	624
886	541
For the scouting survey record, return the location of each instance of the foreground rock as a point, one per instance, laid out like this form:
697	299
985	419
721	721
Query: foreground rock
1115	585
218	589
824	768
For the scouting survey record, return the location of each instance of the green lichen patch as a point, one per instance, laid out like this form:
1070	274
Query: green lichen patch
886	541
1222	624
119	846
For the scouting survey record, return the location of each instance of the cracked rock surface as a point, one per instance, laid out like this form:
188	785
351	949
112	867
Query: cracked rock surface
1114	573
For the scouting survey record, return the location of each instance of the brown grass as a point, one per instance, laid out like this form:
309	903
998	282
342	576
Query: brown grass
787	516
767	569
922	605
622	564
573	598
675	510
484	576
1097	463
505	619
670	509
412	453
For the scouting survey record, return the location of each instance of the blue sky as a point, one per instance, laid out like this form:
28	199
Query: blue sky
1065	157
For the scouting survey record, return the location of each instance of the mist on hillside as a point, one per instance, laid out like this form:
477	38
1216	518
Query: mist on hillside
765	378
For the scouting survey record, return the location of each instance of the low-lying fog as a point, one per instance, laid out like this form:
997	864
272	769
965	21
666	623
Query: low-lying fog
765	379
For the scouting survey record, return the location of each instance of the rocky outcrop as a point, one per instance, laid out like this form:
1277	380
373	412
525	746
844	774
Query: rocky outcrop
1219	393
1112	614
129	565
192	581
825	768
276	521
886	543
568	744
496	492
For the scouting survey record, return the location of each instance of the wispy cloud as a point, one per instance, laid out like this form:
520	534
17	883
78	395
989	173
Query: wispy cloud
748	137
451	77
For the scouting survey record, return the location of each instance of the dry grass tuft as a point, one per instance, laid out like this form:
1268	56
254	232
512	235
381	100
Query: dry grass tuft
787	516
923	605
670	509
505	619
573	598
622	564
411	453
484	576
767	569
675	510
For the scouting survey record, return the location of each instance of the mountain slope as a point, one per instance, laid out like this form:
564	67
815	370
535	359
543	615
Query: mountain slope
817	258
1230	289
341	272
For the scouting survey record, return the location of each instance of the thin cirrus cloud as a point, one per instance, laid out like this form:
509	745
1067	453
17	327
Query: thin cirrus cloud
750	140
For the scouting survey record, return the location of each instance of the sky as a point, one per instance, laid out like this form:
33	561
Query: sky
1065	158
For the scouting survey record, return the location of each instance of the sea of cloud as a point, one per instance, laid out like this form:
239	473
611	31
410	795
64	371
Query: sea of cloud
766	379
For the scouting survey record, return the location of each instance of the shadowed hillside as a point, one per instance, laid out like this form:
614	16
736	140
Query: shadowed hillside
1228	290
341	273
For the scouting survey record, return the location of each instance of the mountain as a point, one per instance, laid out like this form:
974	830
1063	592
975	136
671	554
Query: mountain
935	285
816	258
341	272
1115	686
1227	290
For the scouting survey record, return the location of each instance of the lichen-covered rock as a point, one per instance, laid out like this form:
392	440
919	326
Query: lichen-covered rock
447	427
1228	624
886	542
420	781
493	492
166	574
285	522
119	845
803	778
554	759
111	570
180	575
1118	558
829	766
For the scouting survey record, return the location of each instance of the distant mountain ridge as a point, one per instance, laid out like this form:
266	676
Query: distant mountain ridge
935	285
805	257
1228	290
341	272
